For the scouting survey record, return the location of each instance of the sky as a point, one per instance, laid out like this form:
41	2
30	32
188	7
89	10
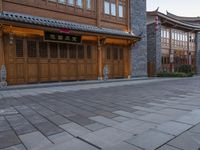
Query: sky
188	8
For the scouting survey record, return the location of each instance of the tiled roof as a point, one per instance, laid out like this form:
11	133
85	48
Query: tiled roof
35	20
180	23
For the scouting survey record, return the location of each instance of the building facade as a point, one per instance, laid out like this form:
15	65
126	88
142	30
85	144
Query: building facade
172	42
62	40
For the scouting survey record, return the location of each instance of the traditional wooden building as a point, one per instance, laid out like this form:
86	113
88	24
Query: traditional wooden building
172	41
61	40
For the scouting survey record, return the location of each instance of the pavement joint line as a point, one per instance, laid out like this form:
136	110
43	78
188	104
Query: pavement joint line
176	135
15	133
89	143
135	145
35	128
175	147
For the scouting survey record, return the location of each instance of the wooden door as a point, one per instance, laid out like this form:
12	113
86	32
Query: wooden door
63	62
81	62
121	52
32	61
91	62
15	61
53	62
114	58
43	62
72	68
108	61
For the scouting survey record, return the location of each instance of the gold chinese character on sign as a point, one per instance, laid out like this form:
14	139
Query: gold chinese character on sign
52	36
74	39
67	38
60	37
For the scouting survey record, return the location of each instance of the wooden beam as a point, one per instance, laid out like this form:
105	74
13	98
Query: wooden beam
22	31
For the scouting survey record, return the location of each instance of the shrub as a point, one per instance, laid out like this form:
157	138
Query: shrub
185	68
174	74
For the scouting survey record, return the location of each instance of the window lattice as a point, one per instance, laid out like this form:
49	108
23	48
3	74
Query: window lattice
19	48
32	50
53	50
63	51
43	49
72	51
80	52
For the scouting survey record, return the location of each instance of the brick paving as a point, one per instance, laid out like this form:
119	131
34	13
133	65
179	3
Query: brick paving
161	114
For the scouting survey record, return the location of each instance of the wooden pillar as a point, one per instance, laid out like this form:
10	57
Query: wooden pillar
99	9
127	61
2	58
1	5
128	18
188	46
100	60
171	52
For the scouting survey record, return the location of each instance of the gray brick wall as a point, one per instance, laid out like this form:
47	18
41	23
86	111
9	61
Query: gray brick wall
154	54
138	26
198	53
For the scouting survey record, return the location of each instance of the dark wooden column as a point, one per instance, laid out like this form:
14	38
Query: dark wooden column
100	59
99	9
1	5
171	52
2	60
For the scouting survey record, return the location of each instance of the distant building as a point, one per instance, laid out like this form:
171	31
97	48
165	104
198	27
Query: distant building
62	40
172	41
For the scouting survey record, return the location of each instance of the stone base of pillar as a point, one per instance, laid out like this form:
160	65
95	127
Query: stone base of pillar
100	78
3	84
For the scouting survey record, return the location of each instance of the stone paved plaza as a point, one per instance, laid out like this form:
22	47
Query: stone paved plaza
161	114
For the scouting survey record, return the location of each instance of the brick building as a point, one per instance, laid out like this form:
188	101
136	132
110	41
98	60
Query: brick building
172	41
61	40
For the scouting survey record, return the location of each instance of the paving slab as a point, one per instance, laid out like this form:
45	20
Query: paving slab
60	137
120	119
104	120
95	126
173	128
4	126
141	113
195	129
107	137
8	111
155	118
134	126
138	129
59	120
144	109
79	119
187	141
34	140
122	146
150	140
190	118
168	147
8	138
15	147
75	129
74	144
184	107
48	128
173	112
126	114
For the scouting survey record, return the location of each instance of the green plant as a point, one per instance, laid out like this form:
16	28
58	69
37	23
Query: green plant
174	74
185	68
